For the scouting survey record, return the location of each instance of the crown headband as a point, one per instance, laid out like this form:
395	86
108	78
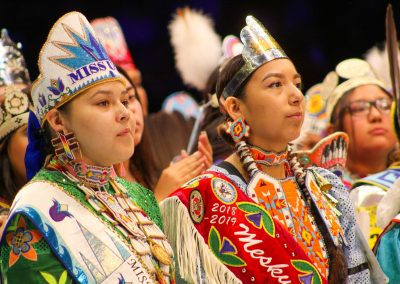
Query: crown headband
12	63
71	61
259	48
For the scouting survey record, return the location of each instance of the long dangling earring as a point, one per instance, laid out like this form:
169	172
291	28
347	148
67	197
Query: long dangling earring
238	129
65	145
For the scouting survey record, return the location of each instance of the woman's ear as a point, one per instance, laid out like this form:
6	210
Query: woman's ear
233	107
56	120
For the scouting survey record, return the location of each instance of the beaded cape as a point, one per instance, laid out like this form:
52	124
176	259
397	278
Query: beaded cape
33	237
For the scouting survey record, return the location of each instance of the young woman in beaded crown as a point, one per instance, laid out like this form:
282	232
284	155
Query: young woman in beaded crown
258	217
76	221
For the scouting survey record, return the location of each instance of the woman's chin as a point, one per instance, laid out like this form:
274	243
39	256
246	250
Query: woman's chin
119	157
377	147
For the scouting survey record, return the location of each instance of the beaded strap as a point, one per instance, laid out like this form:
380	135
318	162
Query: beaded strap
247	160
296	167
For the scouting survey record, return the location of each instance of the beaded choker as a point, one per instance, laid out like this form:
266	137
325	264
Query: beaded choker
92	176
268	158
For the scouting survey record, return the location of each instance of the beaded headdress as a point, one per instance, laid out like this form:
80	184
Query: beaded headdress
71	61
259	48
352	73
112	38
14	111
12	63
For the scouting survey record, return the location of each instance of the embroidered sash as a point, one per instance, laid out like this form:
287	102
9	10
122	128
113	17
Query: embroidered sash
239	233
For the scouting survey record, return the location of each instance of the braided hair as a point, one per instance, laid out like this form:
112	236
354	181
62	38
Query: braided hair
337	260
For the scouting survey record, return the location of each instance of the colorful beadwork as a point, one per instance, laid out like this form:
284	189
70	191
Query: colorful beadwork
75	55
21	241
310	275
196	206
284	202
224	249
238	129
268	158
65	144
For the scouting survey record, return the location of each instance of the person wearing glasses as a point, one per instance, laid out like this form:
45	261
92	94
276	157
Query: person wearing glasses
360	106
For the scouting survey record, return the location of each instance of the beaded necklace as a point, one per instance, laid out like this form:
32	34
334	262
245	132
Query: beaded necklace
268	158
119	210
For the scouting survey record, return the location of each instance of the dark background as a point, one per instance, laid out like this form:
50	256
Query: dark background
315	34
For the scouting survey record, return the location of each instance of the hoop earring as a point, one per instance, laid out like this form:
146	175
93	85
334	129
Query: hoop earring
238	129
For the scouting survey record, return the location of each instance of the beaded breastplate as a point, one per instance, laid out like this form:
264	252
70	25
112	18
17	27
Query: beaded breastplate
284	200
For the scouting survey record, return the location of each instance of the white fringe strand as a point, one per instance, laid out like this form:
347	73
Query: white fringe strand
189	247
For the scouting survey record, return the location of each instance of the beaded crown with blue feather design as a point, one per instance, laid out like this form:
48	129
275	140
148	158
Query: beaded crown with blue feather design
71	61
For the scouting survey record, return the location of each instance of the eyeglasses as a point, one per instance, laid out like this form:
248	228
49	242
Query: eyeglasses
362	107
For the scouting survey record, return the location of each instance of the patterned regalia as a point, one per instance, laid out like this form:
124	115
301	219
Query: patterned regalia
225	228
75	222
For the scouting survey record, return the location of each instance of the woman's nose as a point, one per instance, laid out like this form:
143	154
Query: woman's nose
124	113
296	96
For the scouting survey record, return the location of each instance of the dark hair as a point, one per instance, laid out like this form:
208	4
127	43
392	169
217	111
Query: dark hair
158	147
165	135
339	111
228	71
338	265
125	74
212	119
8	185
337	121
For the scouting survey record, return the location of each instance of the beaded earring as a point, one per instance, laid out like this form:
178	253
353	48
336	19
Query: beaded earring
238	129
65	144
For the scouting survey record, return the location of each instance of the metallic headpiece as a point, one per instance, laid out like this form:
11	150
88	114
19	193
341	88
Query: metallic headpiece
356	72
112	38
14	111
71	61
259	48
12	63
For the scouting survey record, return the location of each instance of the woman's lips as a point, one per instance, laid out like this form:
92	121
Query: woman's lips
296	115
124	132
378	131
